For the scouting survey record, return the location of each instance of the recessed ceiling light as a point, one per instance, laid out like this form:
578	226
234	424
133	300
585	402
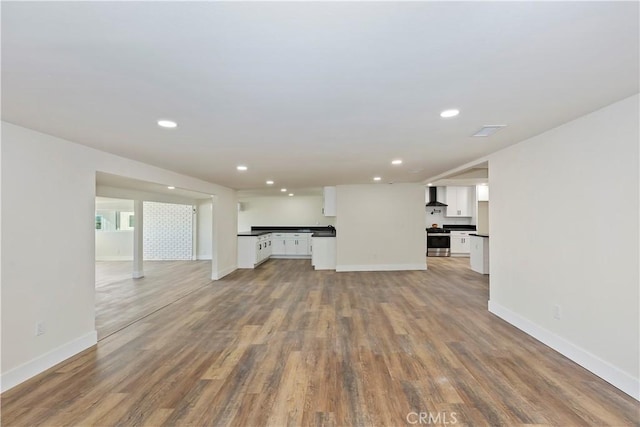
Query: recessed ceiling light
396	162
167	124
284	190
171	187
488	130
290	194
242	168
430	184
269	182
449	113
376	178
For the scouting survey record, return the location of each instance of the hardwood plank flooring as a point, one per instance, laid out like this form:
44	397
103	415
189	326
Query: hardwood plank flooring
286	345
122	300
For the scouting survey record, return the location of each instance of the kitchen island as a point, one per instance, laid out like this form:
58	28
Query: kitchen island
479	256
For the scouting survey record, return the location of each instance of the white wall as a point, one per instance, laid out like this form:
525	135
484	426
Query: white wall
284	210
579	170
114	245
225	235
380	227
204	222
131	195
1	272
59	288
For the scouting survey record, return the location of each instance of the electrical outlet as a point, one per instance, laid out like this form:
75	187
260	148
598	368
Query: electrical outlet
39	328
557	312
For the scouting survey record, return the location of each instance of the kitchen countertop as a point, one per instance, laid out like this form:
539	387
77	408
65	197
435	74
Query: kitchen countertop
457	227
316	231
479	235
324	234
252	233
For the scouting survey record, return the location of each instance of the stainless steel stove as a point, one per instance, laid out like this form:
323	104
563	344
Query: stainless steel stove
438	242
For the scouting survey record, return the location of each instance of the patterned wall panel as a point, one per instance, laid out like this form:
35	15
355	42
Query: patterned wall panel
167	231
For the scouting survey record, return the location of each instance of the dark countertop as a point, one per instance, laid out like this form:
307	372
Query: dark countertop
456	227
323	234
480	235
316	230
252	233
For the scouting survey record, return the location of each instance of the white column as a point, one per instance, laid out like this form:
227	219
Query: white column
214	250
194	233
138	221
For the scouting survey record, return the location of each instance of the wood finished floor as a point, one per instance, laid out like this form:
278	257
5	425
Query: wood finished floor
286	345
122	300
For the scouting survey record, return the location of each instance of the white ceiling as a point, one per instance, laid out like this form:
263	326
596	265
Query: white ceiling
311	93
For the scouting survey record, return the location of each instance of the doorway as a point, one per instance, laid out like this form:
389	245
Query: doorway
172	261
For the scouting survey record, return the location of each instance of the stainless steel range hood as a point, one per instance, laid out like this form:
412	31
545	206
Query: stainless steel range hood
433	197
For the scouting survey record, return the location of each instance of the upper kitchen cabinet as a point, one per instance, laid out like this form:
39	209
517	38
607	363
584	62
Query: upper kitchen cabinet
483	193
329	201
459	201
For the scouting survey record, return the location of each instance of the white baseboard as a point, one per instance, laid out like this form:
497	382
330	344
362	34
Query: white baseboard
223	272
41	363
290	256
114	258
582	357
381	267
204	258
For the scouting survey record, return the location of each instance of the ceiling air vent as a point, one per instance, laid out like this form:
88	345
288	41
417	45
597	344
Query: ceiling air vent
488	130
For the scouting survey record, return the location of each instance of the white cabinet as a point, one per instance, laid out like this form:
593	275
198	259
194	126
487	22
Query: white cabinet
329	201
291	245
253	250
324	253
483	193
479	259
459	201
460	243
300	243
278	244
264	247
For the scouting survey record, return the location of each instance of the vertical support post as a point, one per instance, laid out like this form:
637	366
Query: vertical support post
138	221
194	233
214	250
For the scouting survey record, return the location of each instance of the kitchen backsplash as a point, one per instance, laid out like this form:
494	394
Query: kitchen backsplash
440	219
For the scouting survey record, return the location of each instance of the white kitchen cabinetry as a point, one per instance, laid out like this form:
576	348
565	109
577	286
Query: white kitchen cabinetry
302	244
264	247
253	250
278	244
329	201
291	245
324	253
460	243
479	259
459	201
483	193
